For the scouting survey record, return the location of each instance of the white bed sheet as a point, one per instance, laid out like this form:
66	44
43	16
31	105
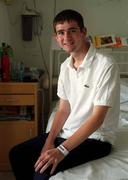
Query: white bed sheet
112	167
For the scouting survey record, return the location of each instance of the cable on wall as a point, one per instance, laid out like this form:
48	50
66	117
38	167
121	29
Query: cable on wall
38	33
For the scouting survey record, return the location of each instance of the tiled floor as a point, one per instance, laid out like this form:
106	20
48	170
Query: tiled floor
6	176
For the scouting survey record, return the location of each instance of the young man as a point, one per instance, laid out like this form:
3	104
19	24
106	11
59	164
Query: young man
87	118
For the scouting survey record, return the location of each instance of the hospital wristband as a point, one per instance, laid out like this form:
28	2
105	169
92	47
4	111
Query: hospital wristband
63	150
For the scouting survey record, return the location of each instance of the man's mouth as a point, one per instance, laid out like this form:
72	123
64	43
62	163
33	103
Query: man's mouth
68	44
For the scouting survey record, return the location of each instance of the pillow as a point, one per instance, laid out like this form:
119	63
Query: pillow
123	92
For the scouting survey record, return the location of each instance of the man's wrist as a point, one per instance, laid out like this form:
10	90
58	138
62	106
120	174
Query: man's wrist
63	150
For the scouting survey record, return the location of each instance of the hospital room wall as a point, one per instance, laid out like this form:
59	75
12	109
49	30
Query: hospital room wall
11	30
101	17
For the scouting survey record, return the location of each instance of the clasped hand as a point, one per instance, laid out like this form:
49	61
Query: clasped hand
48	158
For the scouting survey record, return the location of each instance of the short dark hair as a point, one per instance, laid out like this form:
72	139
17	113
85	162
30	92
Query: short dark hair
68	15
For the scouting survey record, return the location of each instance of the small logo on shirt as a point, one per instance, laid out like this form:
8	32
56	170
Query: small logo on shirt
86	85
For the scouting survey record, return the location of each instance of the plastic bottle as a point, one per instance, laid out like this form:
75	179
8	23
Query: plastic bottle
0	63
11	60
21	71
5	68
5	64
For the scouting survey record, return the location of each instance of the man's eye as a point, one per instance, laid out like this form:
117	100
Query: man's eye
73	30
60	33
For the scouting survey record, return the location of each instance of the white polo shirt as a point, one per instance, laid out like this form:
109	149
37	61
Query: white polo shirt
95	82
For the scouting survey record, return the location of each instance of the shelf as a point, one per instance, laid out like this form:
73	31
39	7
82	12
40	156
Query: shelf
114	50
14	118
20	115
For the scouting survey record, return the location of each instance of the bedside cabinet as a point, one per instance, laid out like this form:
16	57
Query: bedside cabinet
20	116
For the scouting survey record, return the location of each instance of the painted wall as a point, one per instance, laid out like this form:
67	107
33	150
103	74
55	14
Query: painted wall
4	24
101	17
11	32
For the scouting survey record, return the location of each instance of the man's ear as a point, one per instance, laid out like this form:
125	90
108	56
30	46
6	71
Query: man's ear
84	30
55	43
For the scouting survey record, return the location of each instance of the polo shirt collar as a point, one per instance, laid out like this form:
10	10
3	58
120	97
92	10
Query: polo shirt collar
87	59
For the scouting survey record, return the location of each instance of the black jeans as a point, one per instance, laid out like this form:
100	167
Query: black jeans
23	156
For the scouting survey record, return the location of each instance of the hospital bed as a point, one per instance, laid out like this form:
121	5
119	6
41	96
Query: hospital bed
115	165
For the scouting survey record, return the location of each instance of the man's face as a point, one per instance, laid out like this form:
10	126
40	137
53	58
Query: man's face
69	36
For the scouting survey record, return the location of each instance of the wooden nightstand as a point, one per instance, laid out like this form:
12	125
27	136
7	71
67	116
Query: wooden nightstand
20	116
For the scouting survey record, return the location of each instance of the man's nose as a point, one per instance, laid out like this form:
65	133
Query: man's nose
67	34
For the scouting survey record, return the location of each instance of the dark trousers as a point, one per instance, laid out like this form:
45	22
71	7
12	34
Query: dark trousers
23	156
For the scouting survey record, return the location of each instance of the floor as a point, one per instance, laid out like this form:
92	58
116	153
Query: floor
6	176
